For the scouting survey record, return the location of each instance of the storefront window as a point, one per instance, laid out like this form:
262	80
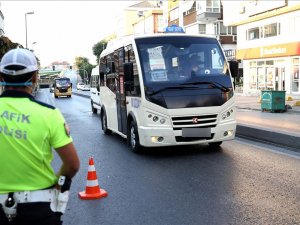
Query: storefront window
261	77
270	78
295	75
253	78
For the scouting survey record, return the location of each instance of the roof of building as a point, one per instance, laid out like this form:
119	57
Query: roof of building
144	4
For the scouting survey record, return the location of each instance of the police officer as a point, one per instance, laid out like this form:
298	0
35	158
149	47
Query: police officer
29	129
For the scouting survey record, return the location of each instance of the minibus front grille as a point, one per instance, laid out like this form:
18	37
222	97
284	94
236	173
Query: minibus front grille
202	121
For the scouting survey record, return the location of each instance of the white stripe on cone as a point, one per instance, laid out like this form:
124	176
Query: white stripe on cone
92	183
91	168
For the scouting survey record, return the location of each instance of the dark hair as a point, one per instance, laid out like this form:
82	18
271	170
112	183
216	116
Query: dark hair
17	78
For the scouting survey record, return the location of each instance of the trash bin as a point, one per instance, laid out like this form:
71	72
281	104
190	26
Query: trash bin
273	101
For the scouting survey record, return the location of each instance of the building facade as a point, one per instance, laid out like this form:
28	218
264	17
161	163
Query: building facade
268	43
204	17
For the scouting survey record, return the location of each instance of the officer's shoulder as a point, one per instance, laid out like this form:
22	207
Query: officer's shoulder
43	104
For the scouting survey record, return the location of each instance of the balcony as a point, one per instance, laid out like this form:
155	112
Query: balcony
208	16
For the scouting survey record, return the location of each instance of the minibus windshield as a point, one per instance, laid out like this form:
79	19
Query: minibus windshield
180	60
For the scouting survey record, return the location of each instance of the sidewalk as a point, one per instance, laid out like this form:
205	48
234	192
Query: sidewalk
276	128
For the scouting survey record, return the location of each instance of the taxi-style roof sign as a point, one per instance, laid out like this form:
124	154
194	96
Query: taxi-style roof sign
174	29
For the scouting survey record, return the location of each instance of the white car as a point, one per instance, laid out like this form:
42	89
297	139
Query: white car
83	87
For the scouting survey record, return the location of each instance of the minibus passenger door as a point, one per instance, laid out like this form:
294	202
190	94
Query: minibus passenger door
120	94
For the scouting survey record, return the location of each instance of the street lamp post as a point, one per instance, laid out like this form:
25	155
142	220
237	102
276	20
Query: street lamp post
28	13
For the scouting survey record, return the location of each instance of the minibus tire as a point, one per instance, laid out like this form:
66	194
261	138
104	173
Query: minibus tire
133	138
104	123
94	110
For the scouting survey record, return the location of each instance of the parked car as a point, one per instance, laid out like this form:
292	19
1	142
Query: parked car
51	88
83	87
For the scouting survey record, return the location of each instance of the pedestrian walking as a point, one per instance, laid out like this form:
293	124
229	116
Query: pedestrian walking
30	190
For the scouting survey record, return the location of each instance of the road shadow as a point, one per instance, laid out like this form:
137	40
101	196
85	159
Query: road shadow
181	150
169	151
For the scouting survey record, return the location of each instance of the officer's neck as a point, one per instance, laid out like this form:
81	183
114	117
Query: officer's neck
27	90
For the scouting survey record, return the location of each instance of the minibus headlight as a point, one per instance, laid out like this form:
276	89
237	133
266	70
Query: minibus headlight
227	114
155	118
162	121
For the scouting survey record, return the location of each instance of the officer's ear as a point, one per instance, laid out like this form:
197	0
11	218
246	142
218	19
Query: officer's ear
35	77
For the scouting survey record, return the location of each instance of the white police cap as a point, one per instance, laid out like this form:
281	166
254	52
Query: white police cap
18	61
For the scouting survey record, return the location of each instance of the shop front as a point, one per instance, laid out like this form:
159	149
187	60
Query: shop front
274	67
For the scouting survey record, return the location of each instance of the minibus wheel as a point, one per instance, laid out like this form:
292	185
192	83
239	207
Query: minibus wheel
94	110
104	123
133	138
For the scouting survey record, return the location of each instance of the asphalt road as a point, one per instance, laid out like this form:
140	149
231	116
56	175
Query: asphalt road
242	183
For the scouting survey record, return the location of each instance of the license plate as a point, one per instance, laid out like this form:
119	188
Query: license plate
196	132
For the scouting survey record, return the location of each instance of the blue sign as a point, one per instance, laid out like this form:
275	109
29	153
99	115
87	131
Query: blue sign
174	29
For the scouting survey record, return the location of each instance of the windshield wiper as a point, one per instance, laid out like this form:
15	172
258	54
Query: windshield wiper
213	84
169	88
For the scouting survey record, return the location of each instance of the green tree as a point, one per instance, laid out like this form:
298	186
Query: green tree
101	45
84	68
98	48
6	44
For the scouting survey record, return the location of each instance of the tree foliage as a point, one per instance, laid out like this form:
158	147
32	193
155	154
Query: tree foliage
6	44
98	48
84	68
101	45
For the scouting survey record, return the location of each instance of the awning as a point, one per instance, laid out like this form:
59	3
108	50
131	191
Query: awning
187	5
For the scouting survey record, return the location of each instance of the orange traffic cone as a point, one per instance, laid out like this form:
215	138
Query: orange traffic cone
92	189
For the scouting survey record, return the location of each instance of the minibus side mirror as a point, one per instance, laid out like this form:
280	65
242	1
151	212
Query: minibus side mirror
234	68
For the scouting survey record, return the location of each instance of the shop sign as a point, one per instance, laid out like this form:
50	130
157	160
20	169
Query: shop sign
230	54
289	49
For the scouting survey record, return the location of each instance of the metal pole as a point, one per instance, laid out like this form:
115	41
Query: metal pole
26	24
26	27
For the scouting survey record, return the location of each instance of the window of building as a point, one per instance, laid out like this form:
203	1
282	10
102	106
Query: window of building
213	6
220	29
270	30
202	28
253	33
223	29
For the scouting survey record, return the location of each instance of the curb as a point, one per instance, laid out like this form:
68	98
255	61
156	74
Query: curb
275	138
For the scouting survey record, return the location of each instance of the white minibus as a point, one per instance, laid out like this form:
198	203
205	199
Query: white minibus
152	95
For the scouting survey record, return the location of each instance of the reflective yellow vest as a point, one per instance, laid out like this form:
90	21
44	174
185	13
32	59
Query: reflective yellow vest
29	129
